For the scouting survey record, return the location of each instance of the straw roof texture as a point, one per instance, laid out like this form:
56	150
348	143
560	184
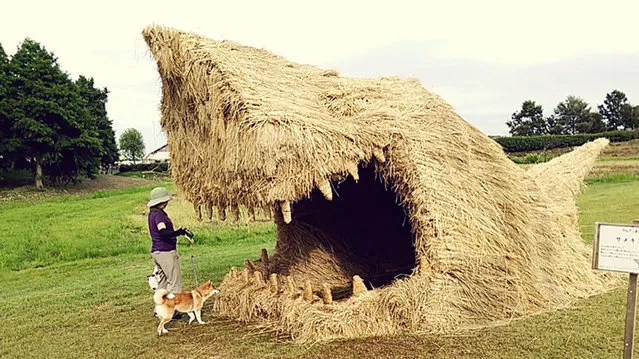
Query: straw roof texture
491	241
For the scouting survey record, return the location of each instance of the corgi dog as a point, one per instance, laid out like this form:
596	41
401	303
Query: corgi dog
186	302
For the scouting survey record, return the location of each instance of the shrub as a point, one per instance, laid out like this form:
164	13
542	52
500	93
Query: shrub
532	158
547	142
155	167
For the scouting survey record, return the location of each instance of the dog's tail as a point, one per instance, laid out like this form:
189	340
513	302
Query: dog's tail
159	296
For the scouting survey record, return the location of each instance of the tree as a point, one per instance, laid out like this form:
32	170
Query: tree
595	124
573	115
78	146
54	131
613	110
5	124
96	104
529	121
553	126
630	116
36	79
132	144
8	144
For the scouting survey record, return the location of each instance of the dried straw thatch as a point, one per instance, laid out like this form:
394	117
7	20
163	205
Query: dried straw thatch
377	179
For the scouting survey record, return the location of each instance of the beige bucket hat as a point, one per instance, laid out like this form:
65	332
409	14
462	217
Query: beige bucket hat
159	195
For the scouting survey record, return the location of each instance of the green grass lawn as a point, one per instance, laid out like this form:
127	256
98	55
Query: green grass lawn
73	285
68	228
616	202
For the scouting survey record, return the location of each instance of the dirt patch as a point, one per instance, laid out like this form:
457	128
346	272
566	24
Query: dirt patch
107	182
103	182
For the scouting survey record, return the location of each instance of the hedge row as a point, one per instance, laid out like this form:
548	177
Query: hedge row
155	167
547	142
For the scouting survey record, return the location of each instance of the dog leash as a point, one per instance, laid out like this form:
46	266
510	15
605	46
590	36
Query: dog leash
194	271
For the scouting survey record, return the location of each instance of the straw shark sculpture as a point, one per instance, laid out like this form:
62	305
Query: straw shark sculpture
393	214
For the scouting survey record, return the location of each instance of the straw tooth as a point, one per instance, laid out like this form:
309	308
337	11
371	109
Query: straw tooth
235	212
289	285
423	266
379	155
286	211
233	272
209	210
308	291
325	187
258	278
221	213
246	275
354	172
249	266
273	283
198	211
251	213
358	286
268	211
327	296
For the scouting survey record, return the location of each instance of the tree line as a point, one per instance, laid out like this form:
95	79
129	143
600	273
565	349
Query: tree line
575	116
49	124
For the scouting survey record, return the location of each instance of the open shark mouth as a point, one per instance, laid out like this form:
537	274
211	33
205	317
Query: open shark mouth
393	214
362	228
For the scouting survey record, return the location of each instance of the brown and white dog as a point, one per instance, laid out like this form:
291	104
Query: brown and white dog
186	302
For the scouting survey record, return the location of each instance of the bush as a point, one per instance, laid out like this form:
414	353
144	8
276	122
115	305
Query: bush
532	158
547	142
139	167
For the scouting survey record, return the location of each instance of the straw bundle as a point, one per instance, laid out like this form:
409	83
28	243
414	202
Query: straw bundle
359	287
375	178
327	295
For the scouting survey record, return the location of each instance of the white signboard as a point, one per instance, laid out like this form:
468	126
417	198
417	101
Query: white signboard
616	247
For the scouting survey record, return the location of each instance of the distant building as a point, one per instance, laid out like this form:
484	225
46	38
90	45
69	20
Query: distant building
159	155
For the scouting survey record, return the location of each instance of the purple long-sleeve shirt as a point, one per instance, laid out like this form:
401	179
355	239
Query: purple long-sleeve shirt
157	216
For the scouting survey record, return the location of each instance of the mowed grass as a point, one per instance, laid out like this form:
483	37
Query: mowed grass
612	201
99	225
88	303
69	228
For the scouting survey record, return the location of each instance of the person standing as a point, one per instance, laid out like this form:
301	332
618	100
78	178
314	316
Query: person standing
164	241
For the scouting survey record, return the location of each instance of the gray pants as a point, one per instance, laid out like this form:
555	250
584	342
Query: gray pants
169	264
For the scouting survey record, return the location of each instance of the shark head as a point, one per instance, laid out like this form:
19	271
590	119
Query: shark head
389	207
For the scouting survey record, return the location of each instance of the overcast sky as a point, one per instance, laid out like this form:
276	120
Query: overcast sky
484	57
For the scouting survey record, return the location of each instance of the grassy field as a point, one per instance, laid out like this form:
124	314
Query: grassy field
73	267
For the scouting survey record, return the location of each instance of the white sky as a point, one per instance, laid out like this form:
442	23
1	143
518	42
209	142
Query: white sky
103	40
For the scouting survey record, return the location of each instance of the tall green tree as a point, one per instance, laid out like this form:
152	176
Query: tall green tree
573	115
613	110
56	133
595	124
5	124
528	121
553	126
132	144
96	100
78	147
630	116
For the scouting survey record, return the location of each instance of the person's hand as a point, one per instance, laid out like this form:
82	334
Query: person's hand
189	235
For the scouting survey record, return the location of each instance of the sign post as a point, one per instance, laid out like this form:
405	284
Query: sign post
629	336
616	248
